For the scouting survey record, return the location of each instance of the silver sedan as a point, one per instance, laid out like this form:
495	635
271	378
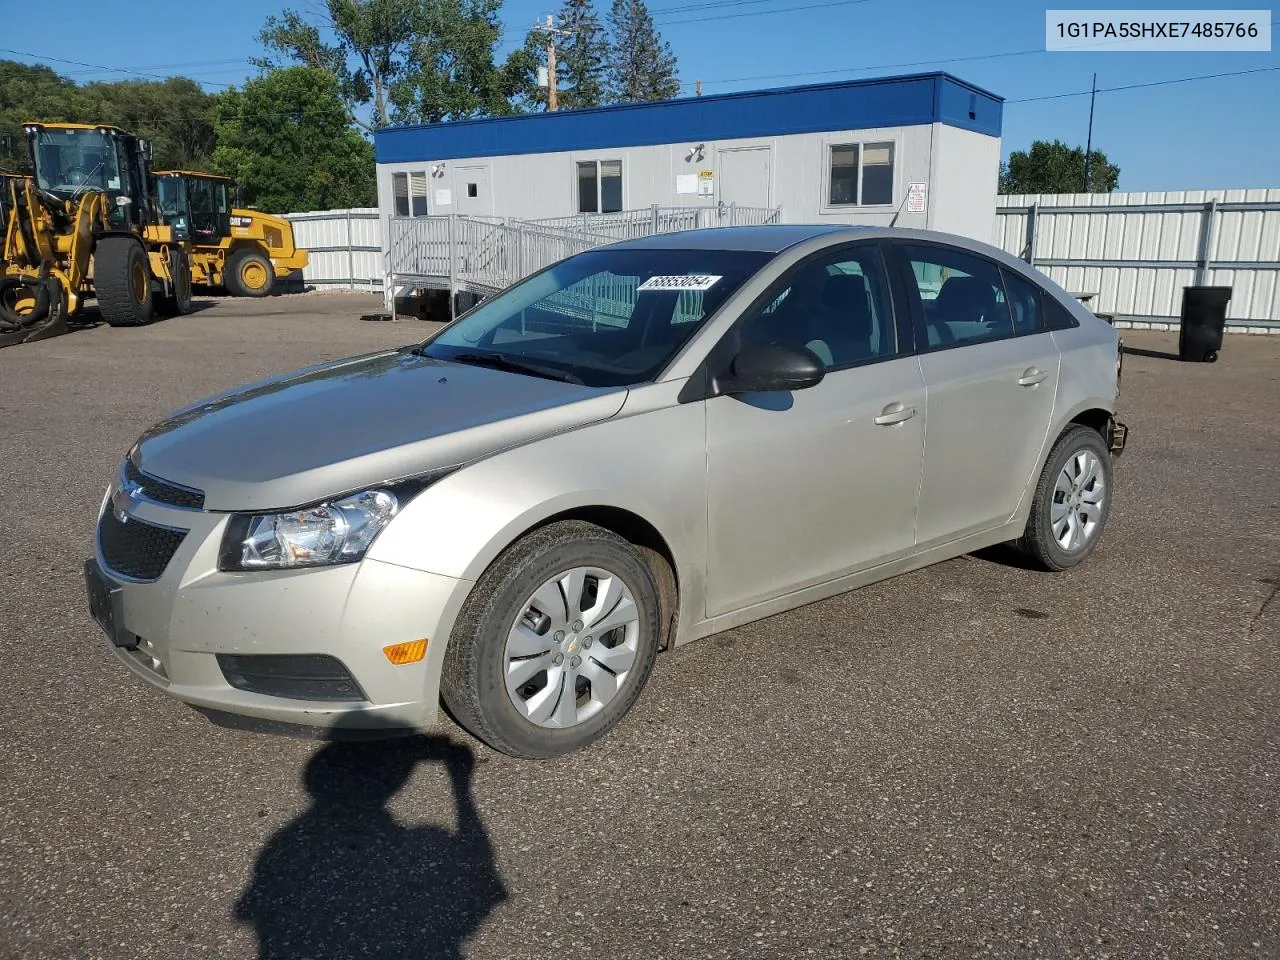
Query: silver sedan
638	447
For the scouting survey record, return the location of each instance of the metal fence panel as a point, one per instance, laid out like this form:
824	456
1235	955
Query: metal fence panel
1136	251
344	245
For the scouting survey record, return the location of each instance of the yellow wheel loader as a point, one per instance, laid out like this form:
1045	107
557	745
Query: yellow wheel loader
86	225
243	251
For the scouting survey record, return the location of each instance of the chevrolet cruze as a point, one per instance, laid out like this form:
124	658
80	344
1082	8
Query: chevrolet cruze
639	446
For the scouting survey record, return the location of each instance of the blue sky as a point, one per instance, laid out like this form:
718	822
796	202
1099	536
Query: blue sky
1207	134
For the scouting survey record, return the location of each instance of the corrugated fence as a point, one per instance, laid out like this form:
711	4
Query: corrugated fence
346	251
1136	251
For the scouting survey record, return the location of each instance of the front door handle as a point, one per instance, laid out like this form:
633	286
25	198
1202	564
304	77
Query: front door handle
894	413
1031	376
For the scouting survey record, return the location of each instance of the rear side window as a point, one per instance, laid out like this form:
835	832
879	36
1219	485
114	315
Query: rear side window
1024	302
961	297
1056	316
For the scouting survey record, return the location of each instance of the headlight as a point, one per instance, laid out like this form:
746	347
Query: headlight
337	532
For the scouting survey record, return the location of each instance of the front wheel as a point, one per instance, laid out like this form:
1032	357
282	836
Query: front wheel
122	282
248	273
555	643
1071	503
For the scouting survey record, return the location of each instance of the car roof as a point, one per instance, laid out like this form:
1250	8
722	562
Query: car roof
775	238
771	238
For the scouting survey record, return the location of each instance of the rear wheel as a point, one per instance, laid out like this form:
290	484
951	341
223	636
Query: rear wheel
555	643
178	302
122	282
248	273
1071	503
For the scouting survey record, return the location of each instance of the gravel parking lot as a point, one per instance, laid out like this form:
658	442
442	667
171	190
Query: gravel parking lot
974	759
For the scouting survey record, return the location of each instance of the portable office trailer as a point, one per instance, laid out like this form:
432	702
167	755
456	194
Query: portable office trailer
915	151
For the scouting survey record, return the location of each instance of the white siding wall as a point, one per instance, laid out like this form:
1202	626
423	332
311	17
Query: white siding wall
544	185
964	179
1173	237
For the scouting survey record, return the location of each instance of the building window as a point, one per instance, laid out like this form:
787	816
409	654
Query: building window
473	190
400	190
600	186
409	191
860	174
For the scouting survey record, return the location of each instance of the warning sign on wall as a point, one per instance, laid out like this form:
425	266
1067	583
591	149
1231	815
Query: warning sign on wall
706	183
917	197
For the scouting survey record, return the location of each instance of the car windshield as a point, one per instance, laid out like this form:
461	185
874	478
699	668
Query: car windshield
603	318
73	161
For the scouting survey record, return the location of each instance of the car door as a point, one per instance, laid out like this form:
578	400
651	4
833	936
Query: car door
807	485
991	373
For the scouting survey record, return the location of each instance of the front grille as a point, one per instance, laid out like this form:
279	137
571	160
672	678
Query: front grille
162	491
135	548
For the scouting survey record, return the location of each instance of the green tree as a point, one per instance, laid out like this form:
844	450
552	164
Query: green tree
582	56
174	114
28	94
286	139
452	72
641	64
1057	168
373	42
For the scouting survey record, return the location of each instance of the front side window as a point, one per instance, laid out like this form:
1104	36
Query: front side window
860	174
961	297
600	186
603	318
837	306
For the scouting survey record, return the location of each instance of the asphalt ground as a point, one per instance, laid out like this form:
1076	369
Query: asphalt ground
971	760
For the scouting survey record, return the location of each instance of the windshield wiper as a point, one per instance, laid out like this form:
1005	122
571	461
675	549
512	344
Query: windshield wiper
499	361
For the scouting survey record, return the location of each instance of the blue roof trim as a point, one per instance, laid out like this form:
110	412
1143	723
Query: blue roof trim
850	105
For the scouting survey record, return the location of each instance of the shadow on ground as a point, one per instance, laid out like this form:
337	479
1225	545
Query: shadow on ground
346	879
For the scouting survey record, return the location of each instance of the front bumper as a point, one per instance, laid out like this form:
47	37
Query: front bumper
190	632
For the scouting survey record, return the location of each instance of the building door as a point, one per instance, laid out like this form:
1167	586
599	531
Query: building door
744	177
471	191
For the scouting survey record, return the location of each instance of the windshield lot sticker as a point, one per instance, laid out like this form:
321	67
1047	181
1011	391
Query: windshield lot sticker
697	281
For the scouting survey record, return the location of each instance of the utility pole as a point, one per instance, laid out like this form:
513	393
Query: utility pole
1088	147
551	65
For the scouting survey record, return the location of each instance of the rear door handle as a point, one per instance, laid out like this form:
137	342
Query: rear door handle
894	413
1031	376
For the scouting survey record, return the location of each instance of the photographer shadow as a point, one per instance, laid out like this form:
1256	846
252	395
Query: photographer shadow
347	879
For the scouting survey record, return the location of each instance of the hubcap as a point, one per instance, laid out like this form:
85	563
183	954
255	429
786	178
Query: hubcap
141	283
253	275
572	648
1078	498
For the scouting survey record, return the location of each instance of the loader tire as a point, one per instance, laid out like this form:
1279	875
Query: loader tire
122	282
178	303
248	273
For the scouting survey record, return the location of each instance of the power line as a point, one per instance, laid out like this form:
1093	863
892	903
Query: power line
104	69
761	13
1142	86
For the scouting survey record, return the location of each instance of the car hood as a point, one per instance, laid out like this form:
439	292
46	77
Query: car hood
338	427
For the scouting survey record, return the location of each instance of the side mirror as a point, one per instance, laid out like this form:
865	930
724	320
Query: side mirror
762	367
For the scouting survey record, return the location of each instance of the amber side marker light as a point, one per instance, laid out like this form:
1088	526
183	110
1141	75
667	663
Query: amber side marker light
409	652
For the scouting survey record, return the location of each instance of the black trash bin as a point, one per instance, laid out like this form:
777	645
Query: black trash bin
1204	315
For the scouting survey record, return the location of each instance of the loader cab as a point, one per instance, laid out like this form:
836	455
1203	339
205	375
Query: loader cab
174	203
210	209
71	160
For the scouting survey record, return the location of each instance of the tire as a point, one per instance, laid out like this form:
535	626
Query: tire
248	273
503	602
178	303
122	282
1039	542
